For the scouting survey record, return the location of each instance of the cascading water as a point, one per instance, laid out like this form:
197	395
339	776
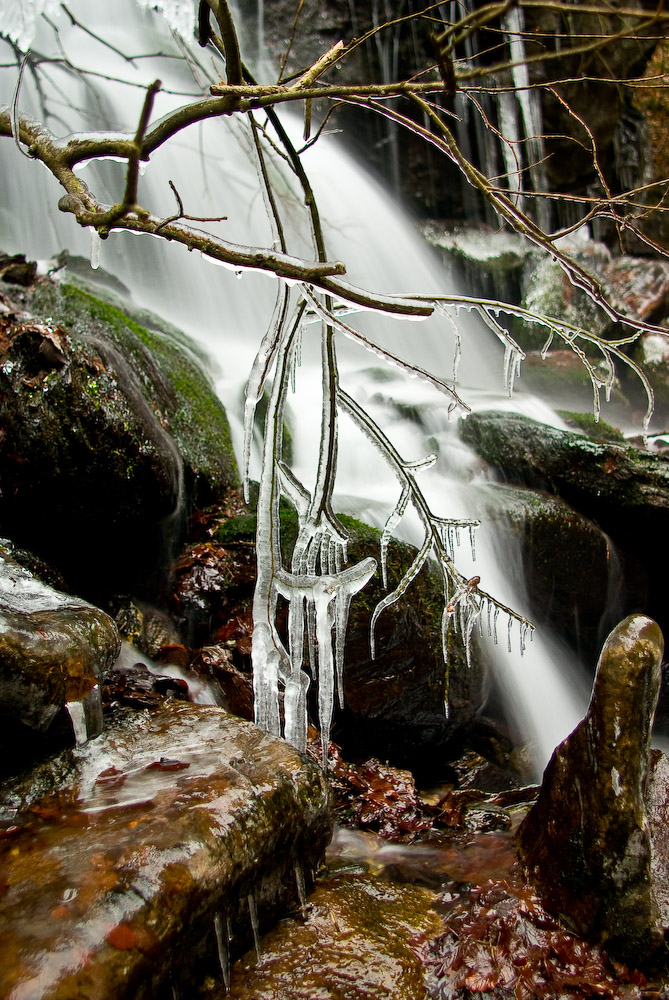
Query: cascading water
229	316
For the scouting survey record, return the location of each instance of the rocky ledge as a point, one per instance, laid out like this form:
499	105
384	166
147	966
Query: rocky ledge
155	847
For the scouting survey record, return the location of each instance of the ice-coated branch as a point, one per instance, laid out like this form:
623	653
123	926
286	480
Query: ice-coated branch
460	595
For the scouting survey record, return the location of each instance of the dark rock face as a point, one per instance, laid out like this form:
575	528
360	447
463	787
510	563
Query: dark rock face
623	489
566	561
55	652
585	843
394	703
102	437
403	49
143	858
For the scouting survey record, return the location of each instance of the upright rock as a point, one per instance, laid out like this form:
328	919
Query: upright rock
586	843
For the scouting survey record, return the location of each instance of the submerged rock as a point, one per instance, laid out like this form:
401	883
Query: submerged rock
360	938
55	652
157	841
585	843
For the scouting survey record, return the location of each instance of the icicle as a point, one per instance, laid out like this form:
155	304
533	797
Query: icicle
445	625
547	346
223	945
96	243
326	667
77	714
390	526
301	889
508	361
489	619
494	626
509	627
265	680
255	926
295	710
472	541
523	637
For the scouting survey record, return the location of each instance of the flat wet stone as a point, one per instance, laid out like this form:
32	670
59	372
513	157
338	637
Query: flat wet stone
111	884
361	940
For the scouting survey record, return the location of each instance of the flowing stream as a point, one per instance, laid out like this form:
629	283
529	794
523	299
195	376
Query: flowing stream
211	167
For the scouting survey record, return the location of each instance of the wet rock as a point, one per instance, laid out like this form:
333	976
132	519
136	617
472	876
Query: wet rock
625	490
55	652
585	843
360	938
394	703
652	352
657	805
490	261
575	594
113	883
108	431
16	269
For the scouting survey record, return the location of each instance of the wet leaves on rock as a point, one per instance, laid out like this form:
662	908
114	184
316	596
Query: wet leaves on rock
500	942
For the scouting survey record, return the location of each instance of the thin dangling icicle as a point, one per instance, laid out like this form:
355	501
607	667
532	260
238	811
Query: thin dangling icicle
390	526
326	677
255	925
96	244
301	888
223	946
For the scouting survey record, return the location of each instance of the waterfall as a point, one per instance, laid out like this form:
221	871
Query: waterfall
211	167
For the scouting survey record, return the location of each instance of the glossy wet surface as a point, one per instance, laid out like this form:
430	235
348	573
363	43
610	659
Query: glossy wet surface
370	920
168	820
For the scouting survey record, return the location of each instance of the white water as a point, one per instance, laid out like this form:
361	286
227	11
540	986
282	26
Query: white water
229	315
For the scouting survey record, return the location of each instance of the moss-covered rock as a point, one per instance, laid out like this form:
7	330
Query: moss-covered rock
565	560
171	378
110	431
394	703
623	489
597	430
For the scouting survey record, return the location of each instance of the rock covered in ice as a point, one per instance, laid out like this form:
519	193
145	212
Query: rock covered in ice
585	843
152	848
55	650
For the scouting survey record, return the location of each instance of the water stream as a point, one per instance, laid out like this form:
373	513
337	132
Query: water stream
211	167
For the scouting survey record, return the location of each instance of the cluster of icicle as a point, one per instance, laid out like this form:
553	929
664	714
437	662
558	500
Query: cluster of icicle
318	587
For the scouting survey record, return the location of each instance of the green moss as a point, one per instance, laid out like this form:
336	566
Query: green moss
597	430
185	402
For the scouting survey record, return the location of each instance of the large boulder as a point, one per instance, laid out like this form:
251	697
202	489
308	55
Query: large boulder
575	594
55	653
586	843
395	703
109	432
160	847
624	490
